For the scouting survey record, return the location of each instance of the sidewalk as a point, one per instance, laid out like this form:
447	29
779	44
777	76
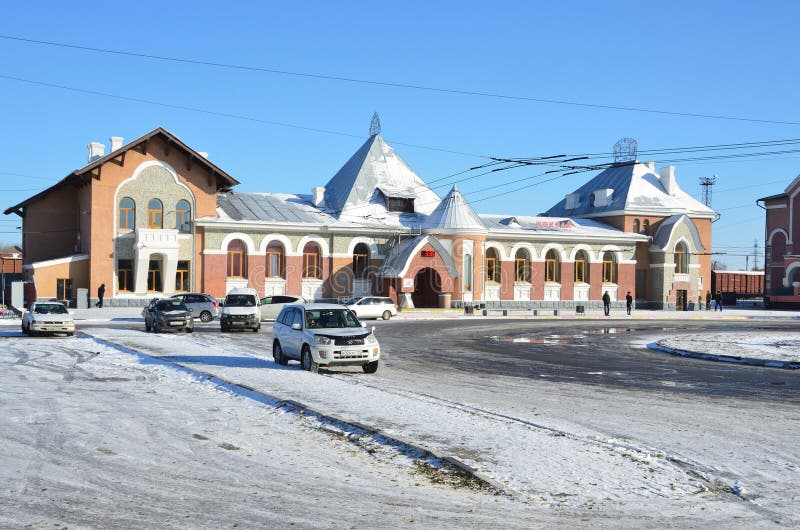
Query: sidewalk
134	314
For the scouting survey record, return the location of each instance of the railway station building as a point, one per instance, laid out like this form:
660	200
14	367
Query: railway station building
154	217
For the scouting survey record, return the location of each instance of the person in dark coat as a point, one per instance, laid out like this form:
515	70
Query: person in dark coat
718	301
606	303
708	300
628	302
101	292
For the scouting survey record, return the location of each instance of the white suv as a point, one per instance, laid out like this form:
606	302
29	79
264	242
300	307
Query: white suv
323	335
241	310
372	307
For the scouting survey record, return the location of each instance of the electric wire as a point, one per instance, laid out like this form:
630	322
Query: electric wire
443	90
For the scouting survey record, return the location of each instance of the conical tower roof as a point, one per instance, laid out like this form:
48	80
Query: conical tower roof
454	215
375	167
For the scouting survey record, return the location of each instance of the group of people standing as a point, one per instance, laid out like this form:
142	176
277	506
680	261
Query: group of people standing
607	303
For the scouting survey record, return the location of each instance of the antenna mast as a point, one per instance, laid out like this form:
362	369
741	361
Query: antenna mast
706	183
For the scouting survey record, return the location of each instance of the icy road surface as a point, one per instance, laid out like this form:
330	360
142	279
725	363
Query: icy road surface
80	405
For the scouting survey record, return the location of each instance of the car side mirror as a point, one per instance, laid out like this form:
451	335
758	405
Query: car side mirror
71	312
373	329
363	324
296	326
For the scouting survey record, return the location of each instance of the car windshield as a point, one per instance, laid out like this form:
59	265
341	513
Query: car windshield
170	305
331	318
49	309
353	300
240	300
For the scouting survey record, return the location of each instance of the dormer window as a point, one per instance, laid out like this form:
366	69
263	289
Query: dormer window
400	204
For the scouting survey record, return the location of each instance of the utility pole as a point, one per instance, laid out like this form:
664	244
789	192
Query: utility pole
755	254
706	183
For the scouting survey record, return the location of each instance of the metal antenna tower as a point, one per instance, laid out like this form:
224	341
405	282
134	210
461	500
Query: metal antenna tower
706	183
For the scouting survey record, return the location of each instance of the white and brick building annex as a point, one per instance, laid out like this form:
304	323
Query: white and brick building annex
155	217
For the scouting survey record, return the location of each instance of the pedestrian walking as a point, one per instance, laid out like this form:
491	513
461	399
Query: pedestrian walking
708	300
718	301
606	303
101	292
628	302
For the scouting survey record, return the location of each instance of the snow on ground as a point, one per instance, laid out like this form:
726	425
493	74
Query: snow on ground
570	455
784	346
539	464
95	437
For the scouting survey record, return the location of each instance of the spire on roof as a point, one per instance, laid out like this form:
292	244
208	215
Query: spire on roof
375	126
454	214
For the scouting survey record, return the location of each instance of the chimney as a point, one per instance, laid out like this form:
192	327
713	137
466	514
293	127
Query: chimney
96	150
116	143
667	177
318	196
602	198
203	154
571	201
651	165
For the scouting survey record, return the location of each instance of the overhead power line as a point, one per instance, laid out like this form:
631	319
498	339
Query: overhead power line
223	114
410	86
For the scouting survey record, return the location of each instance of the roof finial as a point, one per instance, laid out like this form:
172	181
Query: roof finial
625	150
375	126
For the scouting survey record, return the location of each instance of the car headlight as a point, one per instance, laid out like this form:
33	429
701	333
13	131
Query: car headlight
371	339
323	341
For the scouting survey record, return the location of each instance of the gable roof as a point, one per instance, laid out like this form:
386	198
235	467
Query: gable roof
399	257
454	214
84	174
667	227
375	166
637	189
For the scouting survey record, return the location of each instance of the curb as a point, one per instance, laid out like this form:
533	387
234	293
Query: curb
768	363
300	408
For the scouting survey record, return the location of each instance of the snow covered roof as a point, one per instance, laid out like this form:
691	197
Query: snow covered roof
375	167
550	226
271	208
635	188
397	261
454	215
667	227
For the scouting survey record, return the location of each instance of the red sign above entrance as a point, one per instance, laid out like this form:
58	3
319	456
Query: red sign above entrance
428	253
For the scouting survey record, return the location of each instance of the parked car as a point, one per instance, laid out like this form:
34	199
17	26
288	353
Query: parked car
271	305
48	317
167	313
372	307
201	305
324	335
241	310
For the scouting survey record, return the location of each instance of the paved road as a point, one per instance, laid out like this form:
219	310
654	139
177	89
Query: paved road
587	352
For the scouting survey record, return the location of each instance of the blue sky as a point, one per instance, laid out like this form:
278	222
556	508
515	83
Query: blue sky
711	58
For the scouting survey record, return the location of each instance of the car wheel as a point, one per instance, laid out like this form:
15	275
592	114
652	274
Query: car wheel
156	327
189	330
147	326
387	315
70	333
370	368
258	327
206	316
278	355
24	329
307	360
223	329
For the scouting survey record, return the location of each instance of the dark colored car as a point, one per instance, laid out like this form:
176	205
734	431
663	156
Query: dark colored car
167	313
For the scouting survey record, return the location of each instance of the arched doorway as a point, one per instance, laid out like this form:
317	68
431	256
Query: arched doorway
427	286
